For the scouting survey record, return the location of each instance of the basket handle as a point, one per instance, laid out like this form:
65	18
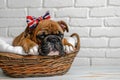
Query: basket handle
77	46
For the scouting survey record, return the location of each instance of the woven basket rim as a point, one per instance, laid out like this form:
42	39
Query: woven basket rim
18	56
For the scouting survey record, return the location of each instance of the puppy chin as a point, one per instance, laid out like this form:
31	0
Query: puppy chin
51	53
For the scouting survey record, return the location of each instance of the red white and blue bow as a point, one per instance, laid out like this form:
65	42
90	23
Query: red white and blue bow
33	21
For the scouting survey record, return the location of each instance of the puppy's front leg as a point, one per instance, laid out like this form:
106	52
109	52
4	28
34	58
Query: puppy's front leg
29	46
68	47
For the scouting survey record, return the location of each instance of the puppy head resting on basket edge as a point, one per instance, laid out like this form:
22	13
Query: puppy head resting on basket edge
48	35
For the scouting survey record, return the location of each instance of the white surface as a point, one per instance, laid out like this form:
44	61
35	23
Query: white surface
79	73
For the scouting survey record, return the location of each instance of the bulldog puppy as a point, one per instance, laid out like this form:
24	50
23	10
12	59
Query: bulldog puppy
47	37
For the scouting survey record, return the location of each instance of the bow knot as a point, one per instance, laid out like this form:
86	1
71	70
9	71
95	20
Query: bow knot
33	21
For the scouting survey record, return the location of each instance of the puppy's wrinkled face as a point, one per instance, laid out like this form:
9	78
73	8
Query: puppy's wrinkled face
50	43
49	34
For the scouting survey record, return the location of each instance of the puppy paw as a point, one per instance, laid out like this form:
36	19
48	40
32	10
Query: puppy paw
33	51
68	49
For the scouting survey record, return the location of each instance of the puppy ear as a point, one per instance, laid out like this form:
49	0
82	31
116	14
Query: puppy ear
63	26
28	32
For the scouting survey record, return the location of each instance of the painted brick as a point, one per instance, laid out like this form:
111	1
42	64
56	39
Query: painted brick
105	12
24	3
105	62
86	22
66	20
91	53
94	42
13	32
83	32
114	2
90	3
112	22
115	42
9	22
10	13
105	31
3	32
39	12
113	53
58	3
81	62
2	3
72	12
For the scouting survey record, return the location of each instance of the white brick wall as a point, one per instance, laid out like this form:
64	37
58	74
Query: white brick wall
105	31
114	2
115	42
10	22
24	3
72	12
105	61
105	12
2	4
12	13
94	42
112	22
86	22
113	53
96	21
58	3
90	3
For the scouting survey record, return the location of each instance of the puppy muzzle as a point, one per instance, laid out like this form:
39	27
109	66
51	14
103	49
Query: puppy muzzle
51	45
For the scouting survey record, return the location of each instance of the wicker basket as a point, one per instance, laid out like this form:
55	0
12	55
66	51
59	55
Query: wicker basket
15	65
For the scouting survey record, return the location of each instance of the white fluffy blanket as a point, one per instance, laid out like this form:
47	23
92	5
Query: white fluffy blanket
6	46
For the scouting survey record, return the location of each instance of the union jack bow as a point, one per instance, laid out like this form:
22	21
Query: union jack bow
33	21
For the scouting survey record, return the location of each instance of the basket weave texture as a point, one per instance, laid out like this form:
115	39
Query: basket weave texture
15	65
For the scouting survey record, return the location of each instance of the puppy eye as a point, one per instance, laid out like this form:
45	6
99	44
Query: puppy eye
42	36
61	35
